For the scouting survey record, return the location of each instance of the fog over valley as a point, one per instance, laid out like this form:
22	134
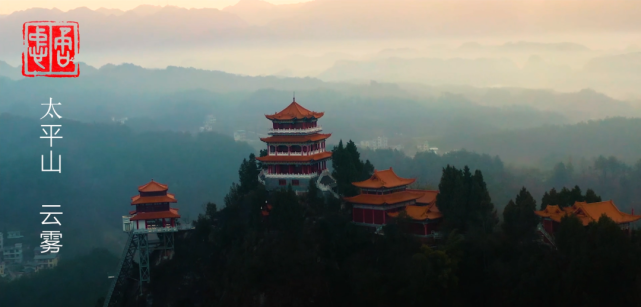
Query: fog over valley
459	105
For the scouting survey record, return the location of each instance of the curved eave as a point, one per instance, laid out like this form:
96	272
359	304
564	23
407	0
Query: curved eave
138	200
316	157
296	138
171	213
316	115
368	184
386	199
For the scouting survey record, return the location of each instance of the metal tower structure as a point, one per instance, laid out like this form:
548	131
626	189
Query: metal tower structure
138	242
153	215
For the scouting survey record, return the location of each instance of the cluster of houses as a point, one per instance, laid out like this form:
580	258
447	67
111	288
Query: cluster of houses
15	261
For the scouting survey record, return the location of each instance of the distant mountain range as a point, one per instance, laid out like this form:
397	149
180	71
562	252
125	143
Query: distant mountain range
137	87
252	20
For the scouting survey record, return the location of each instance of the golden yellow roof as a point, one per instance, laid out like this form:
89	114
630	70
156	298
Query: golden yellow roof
420	213
384	179
385	199
295	111
588	212
429	196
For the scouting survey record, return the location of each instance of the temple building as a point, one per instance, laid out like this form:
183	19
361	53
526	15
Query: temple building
385	197
296	152
152	209
586	212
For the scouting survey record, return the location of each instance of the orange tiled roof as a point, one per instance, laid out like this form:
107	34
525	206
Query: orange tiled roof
420	213
294	111
429	196
384	179
385	199
152	186
588	212
169	198
296	138
172	213
316	157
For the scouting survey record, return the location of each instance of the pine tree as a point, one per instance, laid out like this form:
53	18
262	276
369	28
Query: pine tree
465	202
591	197
550	199
314	198
519	220
248	175
349	168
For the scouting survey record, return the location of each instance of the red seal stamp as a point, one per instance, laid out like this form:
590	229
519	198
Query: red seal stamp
50	49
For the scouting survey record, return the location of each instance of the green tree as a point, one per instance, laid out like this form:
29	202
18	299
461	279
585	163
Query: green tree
591	197
567	198
571	238
465	202
519	220
348	168
287	214
262	153
248	175
314	198
550	199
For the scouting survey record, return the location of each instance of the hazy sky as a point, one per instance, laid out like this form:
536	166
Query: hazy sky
9	6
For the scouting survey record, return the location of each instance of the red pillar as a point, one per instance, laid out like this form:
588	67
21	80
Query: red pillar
425	229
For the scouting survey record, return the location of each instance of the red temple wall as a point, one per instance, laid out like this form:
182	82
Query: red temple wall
368	218
357	215
379	217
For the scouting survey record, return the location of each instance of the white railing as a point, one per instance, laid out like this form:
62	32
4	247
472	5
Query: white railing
302	176
326	188
157	229
309	153
295	131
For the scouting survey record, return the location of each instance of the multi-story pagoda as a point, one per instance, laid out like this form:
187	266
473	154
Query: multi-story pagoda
152	215
296	151
152	209
385	196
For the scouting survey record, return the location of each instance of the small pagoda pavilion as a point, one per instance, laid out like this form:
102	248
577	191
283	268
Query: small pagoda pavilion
296	151
152	209
385	197
586	212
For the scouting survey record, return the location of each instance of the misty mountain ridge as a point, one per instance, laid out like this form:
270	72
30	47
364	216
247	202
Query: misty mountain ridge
332	20
525	46
354	41
576	106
